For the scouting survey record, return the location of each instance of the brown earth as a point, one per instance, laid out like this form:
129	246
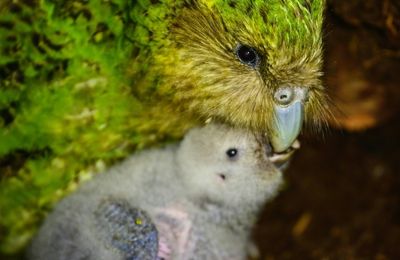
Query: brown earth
342	199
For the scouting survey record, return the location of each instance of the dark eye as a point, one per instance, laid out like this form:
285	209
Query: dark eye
232	152
247	55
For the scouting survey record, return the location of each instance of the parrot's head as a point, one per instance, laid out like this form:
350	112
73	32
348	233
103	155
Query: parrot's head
252	64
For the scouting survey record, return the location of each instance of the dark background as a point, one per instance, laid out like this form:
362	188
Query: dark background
342	198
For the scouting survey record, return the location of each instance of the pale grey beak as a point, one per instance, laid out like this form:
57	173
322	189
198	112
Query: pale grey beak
289	116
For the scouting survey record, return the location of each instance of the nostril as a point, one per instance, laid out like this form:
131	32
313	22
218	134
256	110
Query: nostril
284	96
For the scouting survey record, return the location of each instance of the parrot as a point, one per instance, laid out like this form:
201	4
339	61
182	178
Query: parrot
197	199
86	83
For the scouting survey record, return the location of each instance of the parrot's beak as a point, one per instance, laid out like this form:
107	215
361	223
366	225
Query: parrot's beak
289	116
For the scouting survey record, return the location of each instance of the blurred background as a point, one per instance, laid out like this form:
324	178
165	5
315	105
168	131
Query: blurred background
342	198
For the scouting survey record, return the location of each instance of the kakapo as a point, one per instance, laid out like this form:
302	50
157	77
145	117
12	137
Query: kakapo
195	200
85	83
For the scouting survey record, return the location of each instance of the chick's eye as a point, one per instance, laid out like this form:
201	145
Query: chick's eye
232	152
247	55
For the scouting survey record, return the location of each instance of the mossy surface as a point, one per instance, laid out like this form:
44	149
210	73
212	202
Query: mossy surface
66	102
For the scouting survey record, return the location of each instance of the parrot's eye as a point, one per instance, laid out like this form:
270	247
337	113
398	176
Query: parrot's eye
232	153
247	55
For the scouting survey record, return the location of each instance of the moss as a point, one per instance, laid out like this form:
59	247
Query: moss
63	90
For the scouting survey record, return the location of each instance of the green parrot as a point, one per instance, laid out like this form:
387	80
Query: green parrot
84	83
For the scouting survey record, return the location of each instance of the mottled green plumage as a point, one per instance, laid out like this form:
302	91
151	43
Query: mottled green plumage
84	83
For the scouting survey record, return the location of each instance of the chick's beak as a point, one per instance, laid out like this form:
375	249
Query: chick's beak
289	116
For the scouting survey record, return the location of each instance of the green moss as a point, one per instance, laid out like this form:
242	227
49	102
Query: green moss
65	95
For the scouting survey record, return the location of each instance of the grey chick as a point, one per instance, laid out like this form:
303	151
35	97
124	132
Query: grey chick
195	200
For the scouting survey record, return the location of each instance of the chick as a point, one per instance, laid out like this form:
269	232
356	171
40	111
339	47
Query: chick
196	200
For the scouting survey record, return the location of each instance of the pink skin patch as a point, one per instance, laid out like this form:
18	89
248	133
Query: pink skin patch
164	252
174	227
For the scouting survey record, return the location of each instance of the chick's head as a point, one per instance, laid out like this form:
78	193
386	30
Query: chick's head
227	166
